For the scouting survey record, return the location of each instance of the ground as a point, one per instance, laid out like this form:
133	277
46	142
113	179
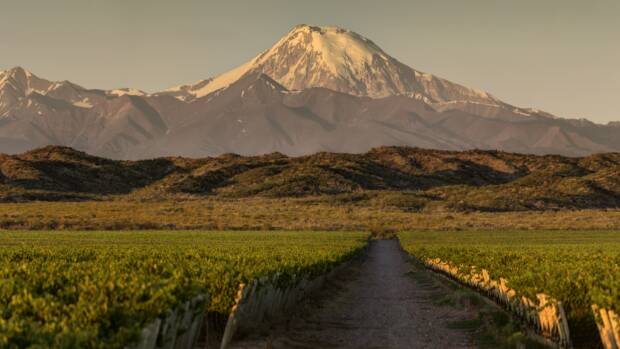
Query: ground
384	301
281	214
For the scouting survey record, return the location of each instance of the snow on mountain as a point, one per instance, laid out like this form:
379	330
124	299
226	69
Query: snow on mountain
17	83
22	82
126	91
341	60
316	89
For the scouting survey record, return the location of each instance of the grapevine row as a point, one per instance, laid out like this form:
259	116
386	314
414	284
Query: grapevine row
101	289
574	269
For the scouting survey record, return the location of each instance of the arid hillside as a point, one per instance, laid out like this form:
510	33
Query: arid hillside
407	178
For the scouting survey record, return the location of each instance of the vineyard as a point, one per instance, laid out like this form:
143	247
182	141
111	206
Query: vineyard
114	289
576	269
101	289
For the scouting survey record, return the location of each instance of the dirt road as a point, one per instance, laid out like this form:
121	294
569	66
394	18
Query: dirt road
381	302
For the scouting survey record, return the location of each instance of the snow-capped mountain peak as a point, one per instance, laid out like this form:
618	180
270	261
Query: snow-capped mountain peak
341	60
336	51
22	82
315	89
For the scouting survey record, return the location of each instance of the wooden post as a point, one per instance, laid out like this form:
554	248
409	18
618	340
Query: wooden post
547	317
608	323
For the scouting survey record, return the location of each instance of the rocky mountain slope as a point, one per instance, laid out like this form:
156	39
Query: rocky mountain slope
408	178
316	89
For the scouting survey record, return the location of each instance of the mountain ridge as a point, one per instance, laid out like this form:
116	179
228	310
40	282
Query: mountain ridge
403	177
317	89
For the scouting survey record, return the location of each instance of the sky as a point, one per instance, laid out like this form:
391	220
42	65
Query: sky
561	56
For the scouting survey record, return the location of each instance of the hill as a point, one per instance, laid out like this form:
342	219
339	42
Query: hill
410	178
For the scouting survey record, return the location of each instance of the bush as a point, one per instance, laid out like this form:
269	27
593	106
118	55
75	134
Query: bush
383	233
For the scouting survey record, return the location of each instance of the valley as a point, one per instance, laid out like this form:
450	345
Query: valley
320	194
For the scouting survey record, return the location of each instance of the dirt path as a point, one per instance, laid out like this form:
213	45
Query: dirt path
377	303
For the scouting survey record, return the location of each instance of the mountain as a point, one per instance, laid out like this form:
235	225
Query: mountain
339	60
344	61
35	112
317	89
407	178
256	115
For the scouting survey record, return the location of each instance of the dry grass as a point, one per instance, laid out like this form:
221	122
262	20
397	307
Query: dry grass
289	214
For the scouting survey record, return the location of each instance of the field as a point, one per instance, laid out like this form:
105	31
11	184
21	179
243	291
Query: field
98	289
74	289
578	269
343	213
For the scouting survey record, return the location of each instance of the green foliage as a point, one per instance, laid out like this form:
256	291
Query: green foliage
577	268
98	289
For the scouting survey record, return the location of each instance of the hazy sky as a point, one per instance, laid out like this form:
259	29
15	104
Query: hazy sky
562	56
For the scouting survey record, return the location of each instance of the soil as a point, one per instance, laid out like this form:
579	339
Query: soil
383	301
